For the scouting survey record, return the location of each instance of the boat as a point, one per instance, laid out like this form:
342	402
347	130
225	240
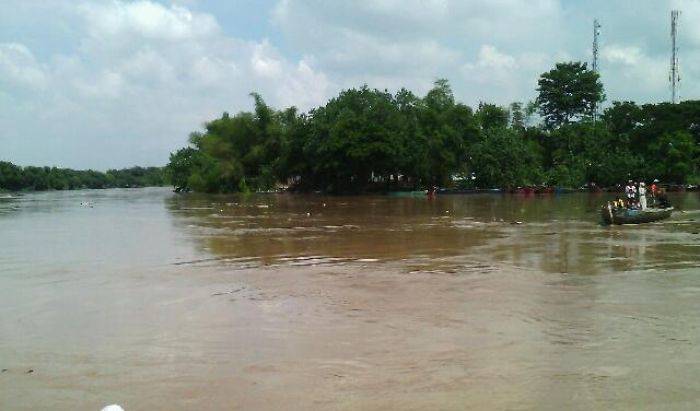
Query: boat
415	193
633	216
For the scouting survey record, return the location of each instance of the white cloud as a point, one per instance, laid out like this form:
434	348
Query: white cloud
392	44
142	76
305	88
491	58
508	77
90	83
264	63
627	55
636	74
147	20
18	67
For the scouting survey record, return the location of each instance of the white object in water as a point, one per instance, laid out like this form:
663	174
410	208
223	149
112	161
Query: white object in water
113	407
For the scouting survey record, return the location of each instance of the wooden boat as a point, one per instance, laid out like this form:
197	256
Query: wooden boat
632	216
418	193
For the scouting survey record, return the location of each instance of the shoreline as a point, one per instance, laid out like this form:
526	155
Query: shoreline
441	191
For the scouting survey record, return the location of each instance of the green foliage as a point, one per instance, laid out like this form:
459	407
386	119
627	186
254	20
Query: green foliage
240	152
568	92
15	178
664	138
581	152
354	136
566	175
11	176
677	156
448	128
359	140
492	116
367	139
502	158
517	116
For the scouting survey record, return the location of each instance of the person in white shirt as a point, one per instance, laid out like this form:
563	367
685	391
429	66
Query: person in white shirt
642	196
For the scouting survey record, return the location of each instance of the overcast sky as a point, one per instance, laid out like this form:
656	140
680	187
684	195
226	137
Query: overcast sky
116	83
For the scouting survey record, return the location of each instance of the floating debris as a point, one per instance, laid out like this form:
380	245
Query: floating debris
229	292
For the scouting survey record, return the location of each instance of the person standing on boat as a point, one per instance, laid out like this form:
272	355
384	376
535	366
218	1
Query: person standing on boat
630	191
642	196
654	191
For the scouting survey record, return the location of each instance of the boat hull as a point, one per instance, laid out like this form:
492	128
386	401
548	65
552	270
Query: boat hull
635	216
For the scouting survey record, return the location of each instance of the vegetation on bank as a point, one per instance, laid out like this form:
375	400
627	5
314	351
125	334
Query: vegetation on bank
367	139
16	178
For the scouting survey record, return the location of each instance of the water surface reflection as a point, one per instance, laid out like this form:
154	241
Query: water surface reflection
162	301
550	233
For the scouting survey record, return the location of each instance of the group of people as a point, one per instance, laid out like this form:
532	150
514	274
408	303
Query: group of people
636	196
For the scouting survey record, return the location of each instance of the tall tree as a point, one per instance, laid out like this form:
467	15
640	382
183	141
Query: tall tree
517	115
567	93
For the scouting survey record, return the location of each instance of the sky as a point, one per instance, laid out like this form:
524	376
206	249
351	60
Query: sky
116	83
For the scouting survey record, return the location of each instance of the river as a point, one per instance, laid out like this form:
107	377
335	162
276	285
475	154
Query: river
158	301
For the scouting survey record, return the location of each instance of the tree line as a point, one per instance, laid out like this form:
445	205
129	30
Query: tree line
16	178
367	139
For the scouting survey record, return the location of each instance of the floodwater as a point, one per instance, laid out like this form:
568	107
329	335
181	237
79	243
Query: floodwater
157	301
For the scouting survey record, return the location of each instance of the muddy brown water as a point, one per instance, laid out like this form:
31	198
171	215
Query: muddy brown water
157	301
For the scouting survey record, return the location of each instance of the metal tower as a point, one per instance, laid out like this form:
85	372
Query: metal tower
596	33
674	76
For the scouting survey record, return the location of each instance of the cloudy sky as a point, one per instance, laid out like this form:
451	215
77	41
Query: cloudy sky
115	83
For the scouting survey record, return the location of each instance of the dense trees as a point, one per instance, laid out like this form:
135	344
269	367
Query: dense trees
366	139
234	153
359	140
15	178
502	158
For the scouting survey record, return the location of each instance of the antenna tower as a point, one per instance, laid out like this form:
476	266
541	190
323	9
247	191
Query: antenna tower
674	76
596	33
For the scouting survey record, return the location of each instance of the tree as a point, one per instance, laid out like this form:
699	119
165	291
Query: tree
364	138
355	136
676	157
449	128
567	93
517	115
181	166
10	176
17	178
623	117
492	116
502	158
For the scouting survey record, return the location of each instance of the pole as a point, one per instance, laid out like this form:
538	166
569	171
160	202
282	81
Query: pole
596	33
674	77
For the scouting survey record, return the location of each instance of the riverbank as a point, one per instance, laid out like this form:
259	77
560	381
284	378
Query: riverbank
31	178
